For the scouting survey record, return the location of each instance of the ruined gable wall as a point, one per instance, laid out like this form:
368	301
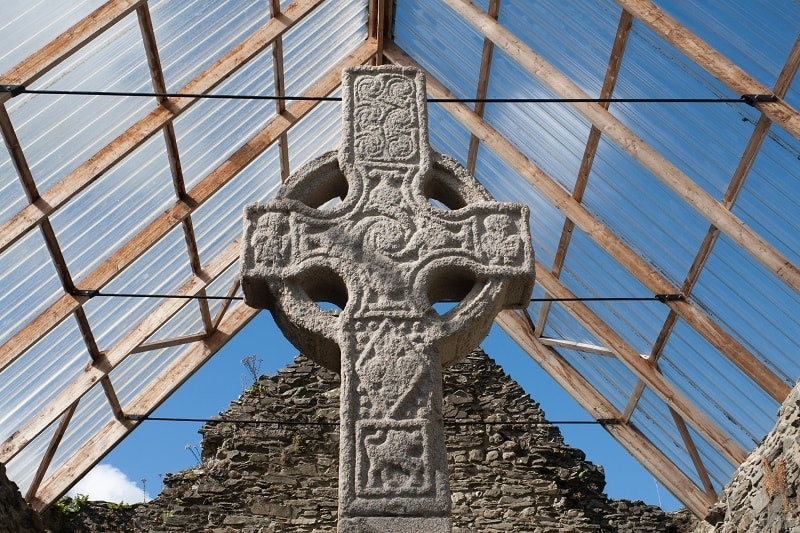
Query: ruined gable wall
763	493
504	476
15	515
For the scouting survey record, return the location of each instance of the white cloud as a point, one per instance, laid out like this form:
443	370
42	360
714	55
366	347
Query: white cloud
108	483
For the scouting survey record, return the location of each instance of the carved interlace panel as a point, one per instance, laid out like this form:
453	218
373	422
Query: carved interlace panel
412	228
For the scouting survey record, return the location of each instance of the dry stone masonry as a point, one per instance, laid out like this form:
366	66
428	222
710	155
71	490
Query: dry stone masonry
385	255
262	478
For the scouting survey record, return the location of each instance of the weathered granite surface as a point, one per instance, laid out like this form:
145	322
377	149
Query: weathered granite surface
762	496
385	255
15	515
503	476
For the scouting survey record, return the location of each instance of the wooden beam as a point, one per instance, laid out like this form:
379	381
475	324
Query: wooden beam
226	303
99	444
150	124
169	343
599	408
153	232
735	186
483	86
712	61
601	234
641	368
697	461
587	161
280	90
613	128
576	346
66	44
47	458
99	370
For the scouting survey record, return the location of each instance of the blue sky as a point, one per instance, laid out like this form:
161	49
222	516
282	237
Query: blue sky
156	447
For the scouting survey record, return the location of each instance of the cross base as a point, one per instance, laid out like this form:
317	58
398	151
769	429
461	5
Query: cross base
395	524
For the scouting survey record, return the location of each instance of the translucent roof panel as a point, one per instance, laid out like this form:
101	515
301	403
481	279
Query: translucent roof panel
144	197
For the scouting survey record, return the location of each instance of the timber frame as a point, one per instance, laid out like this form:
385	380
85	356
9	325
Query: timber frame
695	489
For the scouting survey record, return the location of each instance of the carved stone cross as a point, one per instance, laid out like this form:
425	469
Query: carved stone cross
413	228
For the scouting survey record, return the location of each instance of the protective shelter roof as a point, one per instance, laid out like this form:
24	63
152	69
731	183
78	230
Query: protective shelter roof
692	205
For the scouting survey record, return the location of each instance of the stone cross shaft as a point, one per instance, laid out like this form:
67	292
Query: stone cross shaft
412	229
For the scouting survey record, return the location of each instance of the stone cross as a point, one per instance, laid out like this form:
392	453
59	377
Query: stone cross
412	229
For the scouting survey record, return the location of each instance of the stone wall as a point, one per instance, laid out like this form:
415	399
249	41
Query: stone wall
509	468
15	515
762	495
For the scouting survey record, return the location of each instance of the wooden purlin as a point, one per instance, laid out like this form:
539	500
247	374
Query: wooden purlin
278	75
483	86
50	452
691	448
171	143
638	445
592	143
615	130
99	444
712	61
148	126
154	232
601	234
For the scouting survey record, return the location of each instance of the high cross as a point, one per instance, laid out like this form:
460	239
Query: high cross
412	229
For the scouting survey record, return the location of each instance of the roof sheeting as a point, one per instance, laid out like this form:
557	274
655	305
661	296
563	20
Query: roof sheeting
143	195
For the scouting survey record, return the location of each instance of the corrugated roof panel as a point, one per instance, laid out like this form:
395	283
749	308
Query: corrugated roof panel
552	135
11	190
446	46
40	374
729	397
643	212
320	131
220	287
446	134
575	37
654	420
23	466
508	186
96	222
753	306
211	130
27	26
138	371
160	270
589	271
27	290
93	412
757	37
192	35
607	374
704	140
219	221
767	203
58	133
308	56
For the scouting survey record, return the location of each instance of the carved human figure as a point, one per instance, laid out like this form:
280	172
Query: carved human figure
384	255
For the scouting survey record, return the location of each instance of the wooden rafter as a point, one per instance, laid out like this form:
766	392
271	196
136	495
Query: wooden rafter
149	236
593	141
96	446
152	123
66	44
751	150
483	86
172	216
575	346
601	234
642	369
691	448
614	129
598	406
712	61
